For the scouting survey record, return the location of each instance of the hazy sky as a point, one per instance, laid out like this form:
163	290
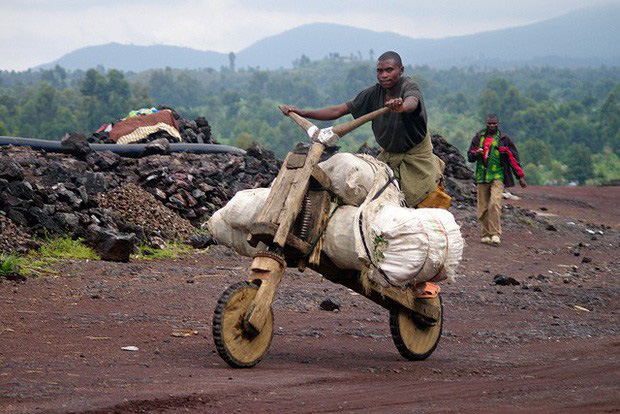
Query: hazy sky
34	32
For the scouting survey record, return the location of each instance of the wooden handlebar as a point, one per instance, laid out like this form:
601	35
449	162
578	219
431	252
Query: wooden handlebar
341	129
344	129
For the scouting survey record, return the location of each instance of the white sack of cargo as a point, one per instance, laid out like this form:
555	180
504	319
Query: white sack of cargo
352	176
398	246
230	225
244	207
409	246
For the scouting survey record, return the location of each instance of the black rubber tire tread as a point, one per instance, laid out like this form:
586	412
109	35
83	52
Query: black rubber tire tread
222	350
403	349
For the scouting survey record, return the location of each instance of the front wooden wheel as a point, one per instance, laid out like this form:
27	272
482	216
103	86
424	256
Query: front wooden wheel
414	336
239	346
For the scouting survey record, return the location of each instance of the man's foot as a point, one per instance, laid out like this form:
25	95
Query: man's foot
427	290
495	240
485	240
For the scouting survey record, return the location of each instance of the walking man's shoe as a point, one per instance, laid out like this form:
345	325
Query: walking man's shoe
485	240
495	240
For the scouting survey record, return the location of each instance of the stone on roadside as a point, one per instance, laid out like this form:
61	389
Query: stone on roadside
109	244
201	241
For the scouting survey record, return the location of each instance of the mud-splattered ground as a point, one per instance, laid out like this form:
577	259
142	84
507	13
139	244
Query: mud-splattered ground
549	344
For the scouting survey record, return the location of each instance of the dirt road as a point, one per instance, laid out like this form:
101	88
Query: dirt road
550	344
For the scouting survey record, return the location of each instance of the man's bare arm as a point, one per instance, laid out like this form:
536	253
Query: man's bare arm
323	114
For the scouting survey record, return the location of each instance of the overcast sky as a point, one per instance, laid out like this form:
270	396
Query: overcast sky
34	32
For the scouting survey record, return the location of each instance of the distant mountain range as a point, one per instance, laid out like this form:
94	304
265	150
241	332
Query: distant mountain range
587	37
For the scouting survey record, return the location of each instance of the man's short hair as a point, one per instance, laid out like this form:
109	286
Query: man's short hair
492	116
392	55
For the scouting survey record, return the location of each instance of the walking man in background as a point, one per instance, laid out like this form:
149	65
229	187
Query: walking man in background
496	159
402	133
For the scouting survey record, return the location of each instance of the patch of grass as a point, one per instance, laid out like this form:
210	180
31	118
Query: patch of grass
63	248
66	248
172	250
8	265
51	251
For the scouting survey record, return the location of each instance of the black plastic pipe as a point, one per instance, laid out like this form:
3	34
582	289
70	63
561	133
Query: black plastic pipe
125	150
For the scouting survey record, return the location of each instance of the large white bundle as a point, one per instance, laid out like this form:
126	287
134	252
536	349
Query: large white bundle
225	235
244	207
400	246
411	246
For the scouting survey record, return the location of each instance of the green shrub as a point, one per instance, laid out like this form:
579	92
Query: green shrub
8	265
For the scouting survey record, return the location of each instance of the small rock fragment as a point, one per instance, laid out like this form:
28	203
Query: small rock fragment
330	305
504	280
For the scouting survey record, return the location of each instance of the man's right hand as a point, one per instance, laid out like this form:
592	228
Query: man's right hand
395	105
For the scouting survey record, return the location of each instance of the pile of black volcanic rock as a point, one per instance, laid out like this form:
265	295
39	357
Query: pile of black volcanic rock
456	165
197	131
47	194
13	237
458	177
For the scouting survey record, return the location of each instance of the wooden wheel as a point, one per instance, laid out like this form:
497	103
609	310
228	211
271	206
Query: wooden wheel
414	336
239	346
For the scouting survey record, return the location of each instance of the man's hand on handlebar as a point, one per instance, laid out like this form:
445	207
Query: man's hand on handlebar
395	105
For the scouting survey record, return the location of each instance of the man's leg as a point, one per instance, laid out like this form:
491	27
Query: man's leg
482	208
494	211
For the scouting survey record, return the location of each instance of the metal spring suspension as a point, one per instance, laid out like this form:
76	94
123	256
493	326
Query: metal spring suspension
305	218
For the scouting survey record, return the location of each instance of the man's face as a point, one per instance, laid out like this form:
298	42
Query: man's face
492	124
388	73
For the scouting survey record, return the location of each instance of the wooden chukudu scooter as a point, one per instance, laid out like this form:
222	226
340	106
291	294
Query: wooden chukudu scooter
291	224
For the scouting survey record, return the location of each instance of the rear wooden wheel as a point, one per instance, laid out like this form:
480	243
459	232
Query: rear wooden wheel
239	346
416	337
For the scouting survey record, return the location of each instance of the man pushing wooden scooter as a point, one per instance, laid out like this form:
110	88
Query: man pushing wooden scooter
291	228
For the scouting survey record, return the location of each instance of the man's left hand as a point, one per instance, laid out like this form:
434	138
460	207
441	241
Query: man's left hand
522	182
395	105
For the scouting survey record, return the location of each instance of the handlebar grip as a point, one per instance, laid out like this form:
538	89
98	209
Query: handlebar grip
300	120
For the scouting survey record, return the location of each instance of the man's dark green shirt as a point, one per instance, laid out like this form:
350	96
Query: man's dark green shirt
393	131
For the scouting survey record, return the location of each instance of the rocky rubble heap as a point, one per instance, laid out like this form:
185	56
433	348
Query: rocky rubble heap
134	205
456	165
47	194
13	237
458	177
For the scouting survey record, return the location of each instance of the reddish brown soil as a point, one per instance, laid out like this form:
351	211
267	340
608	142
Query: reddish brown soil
523	348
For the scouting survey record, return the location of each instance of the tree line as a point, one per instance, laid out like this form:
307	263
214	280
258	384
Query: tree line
566	122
